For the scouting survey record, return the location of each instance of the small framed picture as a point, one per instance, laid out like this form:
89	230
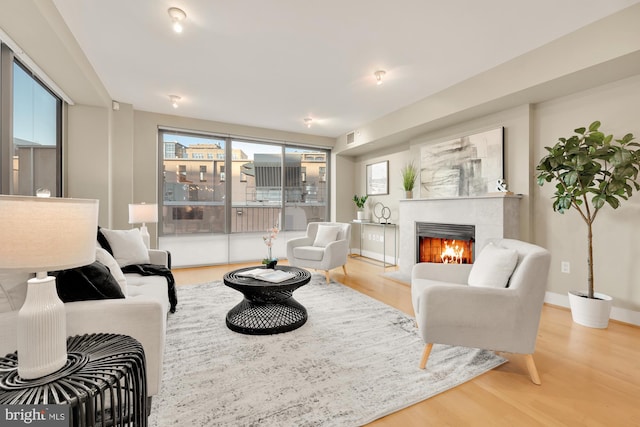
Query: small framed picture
378	178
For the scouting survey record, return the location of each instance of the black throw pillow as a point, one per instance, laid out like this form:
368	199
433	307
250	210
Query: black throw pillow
89	282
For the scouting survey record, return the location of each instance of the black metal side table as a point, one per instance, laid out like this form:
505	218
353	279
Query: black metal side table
267	308
104	382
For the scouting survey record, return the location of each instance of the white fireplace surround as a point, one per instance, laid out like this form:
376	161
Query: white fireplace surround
494	216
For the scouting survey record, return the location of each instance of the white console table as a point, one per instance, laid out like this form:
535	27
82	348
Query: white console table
392	227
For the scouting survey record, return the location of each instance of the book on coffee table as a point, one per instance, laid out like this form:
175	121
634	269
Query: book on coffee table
267	274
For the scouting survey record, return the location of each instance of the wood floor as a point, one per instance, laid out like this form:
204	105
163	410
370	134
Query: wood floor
590	377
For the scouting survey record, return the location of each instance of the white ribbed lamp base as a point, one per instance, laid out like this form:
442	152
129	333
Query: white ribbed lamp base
146	238
42	330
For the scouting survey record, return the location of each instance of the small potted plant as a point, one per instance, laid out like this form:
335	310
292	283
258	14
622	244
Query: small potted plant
360	201
409	175
272	233
589	171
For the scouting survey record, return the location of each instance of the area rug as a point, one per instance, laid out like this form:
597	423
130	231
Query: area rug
355	360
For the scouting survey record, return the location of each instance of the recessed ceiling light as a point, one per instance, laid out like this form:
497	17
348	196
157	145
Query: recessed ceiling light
174	100
177	16
379	75
307	121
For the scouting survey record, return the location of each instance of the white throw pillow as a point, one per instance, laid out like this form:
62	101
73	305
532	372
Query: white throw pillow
493	267
105	258
127	246
325	235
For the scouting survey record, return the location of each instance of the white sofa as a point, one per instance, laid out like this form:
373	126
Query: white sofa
142	314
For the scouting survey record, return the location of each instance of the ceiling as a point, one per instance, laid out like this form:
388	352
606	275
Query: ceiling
272	63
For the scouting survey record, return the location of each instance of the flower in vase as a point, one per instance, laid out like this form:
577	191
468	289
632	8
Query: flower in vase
268	239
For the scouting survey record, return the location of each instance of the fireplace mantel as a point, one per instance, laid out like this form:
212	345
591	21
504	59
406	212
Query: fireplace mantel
493	215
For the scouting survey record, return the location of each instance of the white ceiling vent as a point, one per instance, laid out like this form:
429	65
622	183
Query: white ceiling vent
351	137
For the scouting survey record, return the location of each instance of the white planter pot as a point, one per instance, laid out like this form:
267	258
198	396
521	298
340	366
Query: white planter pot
591	312
361	215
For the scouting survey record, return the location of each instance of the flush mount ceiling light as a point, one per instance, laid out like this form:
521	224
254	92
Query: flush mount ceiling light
379	75
174	100
307	121
177	16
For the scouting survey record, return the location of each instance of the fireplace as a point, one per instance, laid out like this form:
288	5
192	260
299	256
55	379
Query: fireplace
494	216
445	243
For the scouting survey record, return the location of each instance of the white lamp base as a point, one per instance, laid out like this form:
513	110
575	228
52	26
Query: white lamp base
146	238
42	330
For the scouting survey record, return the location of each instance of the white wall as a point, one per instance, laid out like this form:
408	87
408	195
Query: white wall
87	165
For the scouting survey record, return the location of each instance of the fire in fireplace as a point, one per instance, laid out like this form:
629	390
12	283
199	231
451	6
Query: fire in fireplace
445	243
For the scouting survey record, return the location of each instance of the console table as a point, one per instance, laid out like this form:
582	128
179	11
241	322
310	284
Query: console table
384	227
104	382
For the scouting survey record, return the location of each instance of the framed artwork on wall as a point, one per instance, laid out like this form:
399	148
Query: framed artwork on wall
462	167
378	178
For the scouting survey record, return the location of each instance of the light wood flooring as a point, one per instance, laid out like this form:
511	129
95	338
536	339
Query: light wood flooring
590	377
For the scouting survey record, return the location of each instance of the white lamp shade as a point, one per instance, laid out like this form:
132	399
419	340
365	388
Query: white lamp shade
46	234
140	213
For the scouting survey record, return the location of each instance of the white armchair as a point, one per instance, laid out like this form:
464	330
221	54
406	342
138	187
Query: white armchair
496	307
325	247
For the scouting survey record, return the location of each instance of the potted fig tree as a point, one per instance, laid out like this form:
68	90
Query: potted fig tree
590	170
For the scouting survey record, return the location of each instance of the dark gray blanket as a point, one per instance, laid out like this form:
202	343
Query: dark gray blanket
156	270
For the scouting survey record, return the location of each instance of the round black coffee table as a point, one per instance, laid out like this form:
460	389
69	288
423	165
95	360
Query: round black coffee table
267	308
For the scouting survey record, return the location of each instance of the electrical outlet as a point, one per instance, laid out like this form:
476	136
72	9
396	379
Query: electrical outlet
565	267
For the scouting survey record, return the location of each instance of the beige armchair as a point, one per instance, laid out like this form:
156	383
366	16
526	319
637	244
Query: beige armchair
469	305
325	247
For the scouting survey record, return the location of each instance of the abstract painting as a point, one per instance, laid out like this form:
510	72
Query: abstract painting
467	166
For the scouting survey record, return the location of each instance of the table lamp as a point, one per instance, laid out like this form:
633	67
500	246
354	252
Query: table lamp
40	235
141	213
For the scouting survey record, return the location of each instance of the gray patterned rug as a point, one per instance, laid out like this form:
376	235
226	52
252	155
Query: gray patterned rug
355	360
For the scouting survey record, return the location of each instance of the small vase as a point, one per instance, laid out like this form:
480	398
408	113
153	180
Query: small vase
360	214
408	194
272	264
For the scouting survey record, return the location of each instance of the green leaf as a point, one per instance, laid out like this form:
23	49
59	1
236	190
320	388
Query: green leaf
599	200
613	202
571	178
594	126
596	137
581	131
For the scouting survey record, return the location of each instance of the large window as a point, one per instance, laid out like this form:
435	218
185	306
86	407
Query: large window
31	136
231	185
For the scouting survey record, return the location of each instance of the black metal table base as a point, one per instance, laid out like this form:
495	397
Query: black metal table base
104	382
265	318
267	308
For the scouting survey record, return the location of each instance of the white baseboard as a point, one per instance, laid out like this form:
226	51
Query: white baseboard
619	314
